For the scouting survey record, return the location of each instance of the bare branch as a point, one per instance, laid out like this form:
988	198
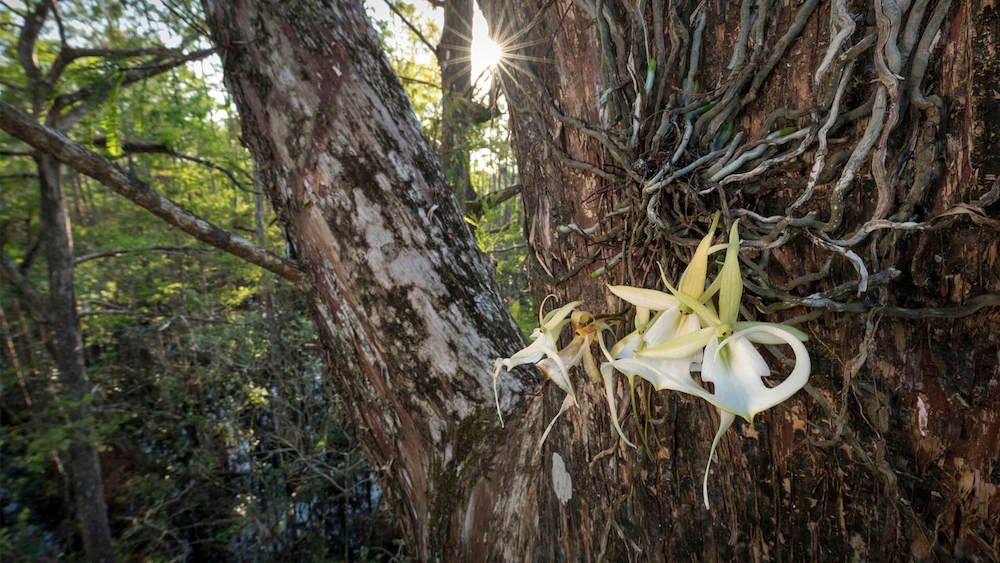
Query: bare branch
29	36
413	28
70	54
113	253
13	275
149	147
61	120
418	81
492	199
101	169
12	86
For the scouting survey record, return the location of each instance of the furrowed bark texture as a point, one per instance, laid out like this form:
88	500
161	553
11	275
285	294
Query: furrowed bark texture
892	454
405	304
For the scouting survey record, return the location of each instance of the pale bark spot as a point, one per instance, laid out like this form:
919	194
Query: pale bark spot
921	416
436	348
562	483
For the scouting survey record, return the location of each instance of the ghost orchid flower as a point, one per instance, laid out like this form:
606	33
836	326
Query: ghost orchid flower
662	351
543	345
731	363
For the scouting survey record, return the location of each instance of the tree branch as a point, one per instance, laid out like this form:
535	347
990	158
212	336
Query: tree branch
113	253
101	169
492	199
69	54
59	119
149	147
36	306
418	81
28	37
412	27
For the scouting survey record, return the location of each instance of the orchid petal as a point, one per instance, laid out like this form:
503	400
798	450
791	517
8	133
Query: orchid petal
530	354
664	327
641	317
737	379
496	393
731	283
624	348
767	338
688	324
692	281
663	374
700	309
726	419
563	360
770	397
552	320
589	365
566	404
680	346
648	298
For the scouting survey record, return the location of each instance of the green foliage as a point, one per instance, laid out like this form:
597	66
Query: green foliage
414	62
219	434
499	224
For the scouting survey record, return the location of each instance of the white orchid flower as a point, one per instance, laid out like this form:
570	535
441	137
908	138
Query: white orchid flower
674	323
688	332
665	359
729	361
573	354
543	345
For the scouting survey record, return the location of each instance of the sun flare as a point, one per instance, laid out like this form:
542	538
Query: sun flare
486	54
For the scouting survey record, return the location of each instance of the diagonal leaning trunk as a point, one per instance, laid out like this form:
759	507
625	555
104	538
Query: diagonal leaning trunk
405	304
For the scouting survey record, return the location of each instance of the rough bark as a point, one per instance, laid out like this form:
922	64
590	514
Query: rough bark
404	303
892	452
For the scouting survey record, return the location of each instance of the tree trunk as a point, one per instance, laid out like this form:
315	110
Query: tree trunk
67	346
405	305
458	111
893	448
891	451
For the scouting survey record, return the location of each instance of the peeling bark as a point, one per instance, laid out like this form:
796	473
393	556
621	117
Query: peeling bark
404	302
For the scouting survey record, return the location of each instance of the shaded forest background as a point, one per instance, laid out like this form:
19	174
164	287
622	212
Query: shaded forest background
219	436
